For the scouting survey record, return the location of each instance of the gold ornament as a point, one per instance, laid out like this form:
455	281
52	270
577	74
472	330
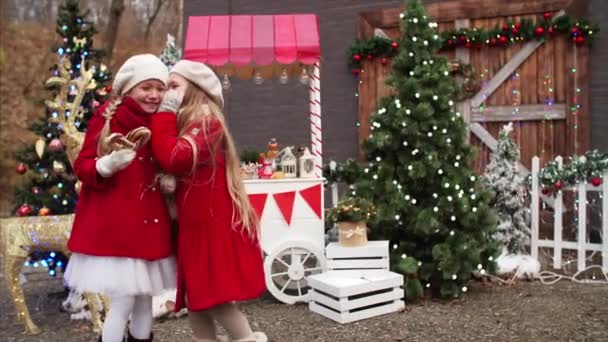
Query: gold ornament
77	186
58	167
79	43
39	146
21	236
44	211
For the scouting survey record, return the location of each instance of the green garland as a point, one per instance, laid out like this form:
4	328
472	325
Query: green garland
587	168
544	27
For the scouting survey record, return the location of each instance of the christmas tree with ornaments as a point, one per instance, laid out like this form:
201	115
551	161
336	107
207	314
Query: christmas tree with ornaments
50	187
430	204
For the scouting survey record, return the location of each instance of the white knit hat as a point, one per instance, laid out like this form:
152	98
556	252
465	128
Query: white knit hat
137	69
202	76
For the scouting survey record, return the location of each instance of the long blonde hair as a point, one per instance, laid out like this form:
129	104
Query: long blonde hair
197	106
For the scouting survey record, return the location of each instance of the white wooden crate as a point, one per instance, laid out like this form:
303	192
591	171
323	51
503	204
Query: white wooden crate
373	256
355	295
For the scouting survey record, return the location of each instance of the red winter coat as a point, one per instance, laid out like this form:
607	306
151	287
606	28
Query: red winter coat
217	261
124	215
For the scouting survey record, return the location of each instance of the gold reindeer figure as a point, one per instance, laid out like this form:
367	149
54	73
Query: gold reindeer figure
20	236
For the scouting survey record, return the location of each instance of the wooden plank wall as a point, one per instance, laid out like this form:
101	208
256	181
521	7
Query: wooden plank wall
545	76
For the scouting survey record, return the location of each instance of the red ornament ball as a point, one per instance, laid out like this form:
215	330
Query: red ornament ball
574	30
505	27
24	210
356	72
551	30
468	45
370	57
547	15
44	211
108	89
384	61
503	39
450	42
56	145
395	45
357	57
596	181
546	191
579	40
517	25
462	38
493	41
21	168
478	45
515	31
558	185
539	31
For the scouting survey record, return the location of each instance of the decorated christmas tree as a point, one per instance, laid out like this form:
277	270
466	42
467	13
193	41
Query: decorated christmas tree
170	54
50	185
502	176
429	203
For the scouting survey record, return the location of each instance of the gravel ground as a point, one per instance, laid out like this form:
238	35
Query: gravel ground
528	311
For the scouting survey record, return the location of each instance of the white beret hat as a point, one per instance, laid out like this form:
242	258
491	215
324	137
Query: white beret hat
137	69
202	76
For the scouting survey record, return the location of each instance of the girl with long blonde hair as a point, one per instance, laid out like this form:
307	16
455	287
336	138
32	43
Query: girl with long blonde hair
219	255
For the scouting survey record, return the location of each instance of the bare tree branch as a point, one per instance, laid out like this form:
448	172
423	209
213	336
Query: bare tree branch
116	9
151	18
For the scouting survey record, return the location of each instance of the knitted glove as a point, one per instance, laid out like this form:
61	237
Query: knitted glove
117	160
171	101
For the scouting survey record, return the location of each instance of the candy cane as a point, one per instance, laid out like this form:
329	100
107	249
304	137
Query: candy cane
315	119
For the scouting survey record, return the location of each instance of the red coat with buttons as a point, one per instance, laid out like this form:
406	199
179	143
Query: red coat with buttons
124	215
217	262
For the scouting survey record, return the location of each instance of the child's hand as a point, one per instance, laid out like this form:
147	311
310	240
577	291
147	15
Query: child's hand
167	184
114	162
171	101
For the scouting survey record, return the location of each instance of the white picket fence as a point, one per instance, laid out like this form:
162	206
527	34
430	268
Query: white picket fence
581	245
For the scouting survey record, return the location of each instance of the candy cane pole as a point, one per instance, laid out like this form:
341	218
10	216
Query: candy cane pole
315	119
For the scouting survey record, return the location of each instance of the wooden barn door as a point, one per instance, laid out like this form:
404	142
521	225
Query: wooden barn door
541	87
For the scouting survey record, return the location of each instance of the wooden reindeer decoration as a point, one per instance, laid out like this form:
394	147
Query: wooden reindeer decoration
20	236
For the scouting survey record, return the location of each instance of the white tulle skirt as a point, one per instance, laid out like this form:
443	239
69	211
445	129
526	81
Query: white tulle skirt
119	275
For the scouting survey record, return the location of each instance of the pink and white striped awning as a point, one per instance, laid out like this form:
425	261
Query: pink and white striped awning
258	40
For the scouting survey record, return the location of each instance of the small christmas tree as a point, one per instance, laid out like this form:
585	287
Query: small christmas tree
50	188
170	54
429	202
502	176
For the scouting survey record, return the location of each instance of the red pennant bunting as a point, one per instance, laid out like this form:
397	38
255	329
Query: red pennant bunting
258	202
285	203
312	196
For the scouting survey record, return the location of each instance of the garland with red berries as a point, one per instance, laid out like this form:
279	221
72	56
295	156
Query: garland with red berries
580	32
587	168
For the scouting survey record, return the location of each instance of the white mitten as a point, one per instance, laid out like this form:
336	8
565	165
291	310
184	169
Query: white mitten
167	183
171	101
114	162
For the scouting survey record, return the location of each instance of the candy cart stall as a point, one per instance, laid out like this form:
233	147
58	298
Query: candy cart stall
291	208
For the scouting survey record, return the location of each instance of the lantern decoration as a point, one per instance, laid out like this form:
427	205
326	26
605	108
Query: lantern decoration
288	163
307	165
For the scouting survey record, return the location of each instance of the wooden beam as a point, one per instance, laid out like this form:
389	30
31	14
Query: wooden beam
471	9
504	73
525	113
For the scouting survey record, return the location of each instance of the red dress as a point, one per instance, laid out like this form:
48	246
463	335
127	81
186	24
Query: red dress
217	261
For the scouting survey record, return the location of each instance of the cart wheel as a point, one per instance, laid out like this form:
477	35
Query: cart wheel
287	267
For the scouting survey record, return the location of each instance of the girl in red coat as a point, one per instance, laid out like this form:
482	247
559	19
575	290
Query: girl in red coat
121	237
219	255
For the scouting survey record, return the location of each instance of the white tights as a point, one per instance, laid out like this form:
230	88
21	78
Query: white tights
121	307
227	315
